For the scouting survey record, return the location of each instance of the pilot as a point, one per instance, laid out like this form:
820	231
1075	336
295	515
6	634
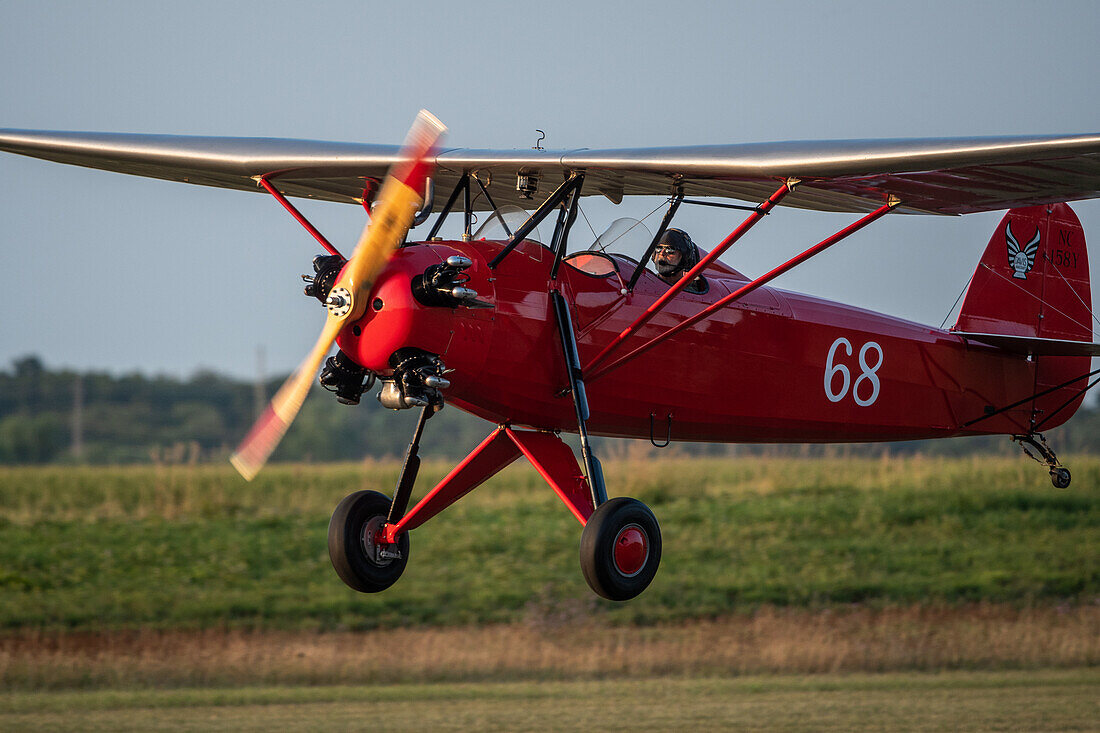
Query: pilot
674	256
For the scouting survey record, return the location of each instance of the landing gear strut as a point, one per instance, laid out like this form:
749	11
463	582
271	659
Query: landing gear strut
621	542
365	558
1059	474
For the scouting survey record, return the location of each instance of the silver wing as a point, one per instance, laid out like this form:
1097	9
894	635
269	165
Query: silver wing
938	176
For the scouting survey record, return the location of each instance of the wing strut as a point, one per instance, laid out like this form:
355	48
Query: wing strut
747	288
758	213
262	180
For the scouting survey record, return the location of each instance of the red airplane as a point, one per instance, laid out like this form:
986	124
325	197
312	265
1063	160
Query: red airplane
539	340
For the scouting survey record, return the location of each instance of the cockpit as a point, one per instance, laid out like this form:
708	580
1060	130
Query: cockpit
619	250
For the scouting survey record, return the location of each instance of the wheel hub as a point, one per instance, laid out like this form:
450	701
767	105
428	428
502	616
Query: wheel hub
631	550
369	540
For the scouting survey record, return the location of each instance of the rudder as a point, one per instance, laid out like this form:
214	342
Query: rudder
1033	279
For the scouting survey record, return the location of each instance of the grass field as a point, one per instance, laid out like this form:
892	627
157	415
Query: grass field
196	547
873	594
1059	700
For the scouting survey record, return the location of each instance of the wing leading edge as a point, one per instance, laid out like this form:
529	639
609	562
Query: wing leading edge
936	176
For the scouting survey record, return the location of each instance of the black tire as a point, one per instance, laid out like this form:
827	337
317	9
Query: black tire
622	576
1060	477
350	543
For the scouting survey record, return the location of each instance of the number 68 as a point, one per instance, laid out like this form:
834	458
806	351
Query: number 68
868	373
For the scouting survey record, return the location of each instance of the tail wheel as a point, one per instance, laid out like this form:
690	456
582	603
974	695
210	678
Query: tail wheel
620	549
1060	477
360	560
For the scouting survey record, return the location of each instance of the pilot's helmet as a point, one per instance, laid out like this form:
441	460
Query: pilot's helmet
679	240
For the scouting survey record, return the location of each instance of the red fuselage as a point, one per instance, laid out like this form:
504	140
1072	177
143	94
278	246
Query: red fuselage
773	367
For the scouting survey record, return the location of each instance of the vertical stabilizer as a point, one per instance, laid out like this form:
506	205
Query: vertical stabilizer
1033	280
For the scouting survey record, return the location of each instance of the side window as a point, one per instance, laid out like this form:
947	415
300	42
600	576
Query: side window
596	264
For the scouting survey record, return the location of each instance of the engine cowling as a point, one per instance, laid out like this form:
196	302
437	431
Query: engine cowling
430	298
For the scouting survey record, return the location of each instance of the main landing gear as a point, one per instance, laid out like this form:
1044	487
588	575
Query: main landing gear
1059	474
620	548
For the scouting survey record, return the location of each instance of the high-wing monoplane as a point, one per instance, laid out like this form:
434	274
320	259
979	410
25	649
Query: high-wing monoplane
539	339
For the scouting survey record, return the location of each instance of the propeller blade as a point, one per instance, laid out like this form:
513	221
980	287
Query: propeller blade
265	435
398	202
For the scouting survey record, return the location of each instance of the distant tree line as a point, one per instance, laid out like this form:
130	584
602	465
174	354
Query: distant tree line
63	416
51	416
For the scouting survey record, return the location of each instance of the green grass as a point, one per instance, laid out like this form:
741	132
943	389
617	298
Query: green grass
1061	700
180	547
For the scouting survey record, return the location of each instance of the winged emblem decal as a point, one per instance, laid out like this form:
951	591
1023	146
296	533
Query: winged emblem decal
1021	259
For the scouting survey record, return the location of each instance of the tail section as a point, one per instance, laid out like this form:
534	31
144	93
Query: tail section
1033	281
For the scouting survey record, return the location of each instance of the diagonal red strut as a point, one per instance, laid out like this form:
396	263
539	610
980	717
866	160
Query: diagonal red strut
686	280
298	215
746	289
551	457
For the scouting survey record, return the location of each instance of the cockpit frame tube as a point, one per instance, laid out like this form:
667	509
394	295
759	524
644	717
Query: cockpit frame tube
467	212
492	203
672	207
536	218
566	218
759	213
464	181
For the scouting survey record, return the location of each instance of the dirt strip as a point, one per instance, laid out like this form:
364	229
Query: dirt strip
772	640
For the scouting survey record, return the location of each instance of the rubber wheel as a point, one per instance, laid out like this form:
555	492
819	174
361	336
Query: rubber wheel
620	549
351	547
1060	478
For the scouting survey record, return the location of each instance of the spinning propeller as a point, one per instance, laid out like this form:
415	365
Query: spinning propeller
398	202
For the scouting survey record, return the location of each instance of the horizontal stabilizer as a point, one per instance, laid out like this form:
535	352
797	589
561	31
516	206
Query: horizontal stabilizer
1034	345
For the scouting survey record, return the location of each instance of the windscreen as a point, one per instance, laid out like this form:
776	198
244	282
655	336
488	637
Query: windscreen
625	237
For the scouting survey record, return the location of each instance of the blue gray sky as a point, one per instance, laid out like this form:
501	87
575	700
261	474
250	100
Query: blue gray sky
121	273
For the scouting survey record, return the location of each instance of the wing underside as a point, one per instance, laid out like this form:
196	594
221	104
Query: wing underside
935	176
